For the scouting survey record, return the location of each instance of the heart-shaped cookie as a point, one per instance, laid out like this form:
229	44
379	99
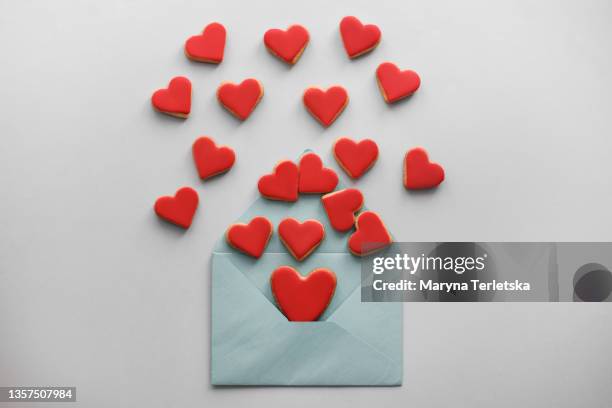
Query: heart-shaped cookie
341	207
282	184
208	46
179	209
250	238
358	39
302	299
175	100
301	238
419	172
327	105
370	236
395	84
314	178
355	158
240	99
210	159
287	45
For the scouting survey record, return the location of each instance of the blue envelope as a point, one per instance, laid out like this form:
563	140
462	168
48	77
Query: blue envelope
253	343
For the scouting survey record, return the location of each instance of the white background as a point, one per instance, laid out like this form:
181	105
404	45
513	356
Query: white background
96	292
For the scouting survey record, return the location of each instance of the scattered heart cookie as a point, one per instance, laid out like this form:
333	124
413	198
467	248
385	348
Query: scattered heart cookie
208	46
370	235
282	184
395	84
358	39
355	158
180	209
175	100
300	238
341	207
287	45
325	106
240	99
302	299
419	172
210	159
251	238
314	178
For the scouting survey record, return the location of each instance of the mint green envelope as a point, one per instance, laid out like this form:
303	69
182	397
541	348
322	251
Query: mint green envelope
253	343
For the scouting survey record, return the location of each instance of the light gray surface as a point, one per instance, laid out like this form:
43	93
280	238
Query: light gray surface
96	292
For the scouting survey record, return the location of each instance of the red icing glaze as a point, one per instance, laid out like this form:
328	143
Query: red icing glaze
314	178
287	45
240	99
211	160
301	238
179	209
355	158
174	100
282	184
395	84
370	236
250	238
327	105
358	39
419	172
208	46
302	299
341	207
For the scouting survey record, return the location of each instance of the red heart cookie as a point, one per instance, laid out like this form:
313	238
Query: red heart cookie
341	207
174	100
282	184
179	209
357	38
211	160
395	84
302	299
325	106
240	99
208	46
370	236
250	238
301	238
287	45
419	172
314	178
355	158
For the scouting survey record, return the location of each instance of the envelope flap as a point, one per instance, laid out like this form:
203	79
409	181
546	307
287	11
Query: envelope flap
308	206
